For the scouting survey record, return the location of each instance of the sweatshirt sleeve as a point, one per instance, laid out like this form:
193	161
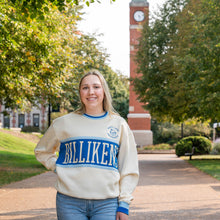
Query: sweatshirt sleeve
46	149
128	168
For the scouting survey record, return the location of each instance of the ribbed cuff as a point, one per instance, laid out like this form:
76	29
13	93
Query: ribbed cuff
123	207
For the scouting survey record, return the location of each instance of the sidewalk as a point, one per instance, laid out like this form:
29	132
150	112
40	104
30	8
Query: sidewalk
169	189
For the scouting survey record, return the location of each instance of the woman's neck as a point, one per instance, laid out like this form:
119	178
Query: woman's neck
95	112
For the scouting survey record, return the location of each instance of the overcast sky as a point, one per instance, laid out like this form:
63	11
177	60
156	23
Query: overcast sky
112	20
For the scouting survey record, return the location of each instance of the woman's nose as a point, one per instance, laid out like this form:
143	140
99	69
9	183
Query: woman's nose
91	91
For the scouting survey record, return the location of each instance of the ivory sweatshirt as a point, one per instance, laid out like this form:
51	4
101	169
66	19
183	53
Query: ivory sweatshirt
97	157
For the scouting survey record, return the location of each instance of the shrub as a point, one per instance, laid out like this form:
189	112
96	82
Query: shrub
30	129
216	149
202	145
165	132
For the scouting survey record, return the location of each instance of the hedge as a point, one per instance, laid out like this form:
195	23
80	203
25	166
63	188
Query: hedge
202	145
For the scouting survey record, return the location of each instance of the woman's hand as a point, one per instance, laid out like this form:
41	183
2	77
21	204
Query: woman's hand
121	216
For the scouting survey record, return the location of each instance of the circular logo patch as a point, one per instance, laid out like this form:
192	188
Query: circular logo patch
112	132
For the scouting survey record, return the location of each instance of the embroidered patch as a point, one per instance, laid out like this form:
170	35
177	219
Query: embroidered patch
112	132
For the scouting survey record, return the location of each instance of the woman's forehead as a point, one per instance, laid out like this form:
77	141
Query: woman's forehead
91	79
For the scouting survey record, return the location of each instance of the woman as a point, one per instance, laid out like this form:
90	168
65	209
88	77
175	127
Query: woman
97	166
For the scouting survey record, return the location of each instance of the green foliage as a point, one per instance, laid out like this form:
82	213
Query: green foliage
178	59
197	56
166	132
43	56
216	149
37	8
22	50
202	145
196	128
119	89
30	129
26	45
41	60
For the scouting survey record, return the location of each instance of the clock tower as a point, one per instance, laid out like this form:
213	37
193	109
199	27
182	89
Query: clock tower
139	119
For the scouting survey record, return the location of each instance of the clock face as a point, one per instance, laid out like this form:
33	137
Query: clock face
139	16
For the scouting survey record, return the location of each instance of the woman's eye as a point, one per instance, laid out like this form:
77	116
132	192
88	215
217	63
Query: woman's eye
84	88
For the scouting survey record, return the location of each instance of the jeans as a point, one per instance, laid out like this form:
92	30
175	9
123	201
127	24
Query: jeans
70	208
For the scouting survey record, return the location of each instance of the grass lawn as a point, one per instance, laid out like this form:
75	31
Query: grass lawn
17	160
209	164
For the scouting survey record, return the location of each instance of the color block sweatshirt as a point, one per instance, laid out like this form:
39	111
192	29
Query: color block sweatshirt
97	157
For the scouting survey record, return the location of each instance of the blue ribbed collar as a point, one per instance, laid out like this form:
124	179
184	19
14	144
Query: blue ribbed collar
95	117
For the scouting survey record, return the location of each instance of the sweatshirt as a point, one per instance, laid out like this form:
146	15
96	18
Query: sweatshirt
96	159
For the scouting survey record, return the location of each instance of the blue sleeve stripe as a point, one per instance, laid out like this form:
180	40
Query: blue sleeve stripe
123	210
124	204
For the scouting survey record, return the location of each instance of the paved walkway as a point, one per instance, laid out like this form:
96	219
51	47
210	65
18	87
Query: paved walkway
169	189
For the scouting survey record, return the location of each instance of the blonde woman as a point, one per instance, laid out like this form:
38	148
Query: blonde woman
97	166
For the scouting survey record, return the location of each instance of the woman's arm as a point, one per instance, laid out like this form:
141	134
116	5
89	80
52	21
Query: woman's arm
128	168
45	150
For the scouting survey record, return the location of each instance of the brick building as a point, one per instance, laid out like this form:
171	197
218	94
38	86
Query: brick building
139	119
16	119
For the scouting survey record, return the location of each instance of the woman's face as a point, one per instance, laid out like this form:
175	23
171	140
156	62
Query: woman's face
92	94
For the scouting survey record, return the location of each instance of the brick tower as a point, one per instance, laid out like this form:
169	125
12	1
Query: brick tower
139	119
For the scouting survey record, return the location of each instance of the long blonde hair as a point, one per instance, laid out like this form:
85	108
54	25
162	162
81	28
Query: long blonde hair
107	101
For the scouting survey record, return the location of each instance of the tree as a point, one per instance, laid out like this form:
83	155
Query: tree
119	89
197	55
37	8
178	58
23	49
42	59
27	71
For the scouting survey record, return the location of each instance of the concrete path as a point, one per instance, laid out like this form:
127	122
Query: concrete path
169	189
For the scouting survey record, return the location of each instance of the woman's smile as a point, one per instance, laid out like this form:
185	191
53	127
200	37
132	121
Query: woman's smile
91	98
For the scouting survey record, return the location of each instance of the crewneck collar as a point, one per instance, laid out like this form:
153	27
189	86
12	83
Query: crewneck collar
96	117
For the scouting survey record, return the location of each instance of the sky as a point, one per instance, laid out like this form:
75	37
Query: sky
111	21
